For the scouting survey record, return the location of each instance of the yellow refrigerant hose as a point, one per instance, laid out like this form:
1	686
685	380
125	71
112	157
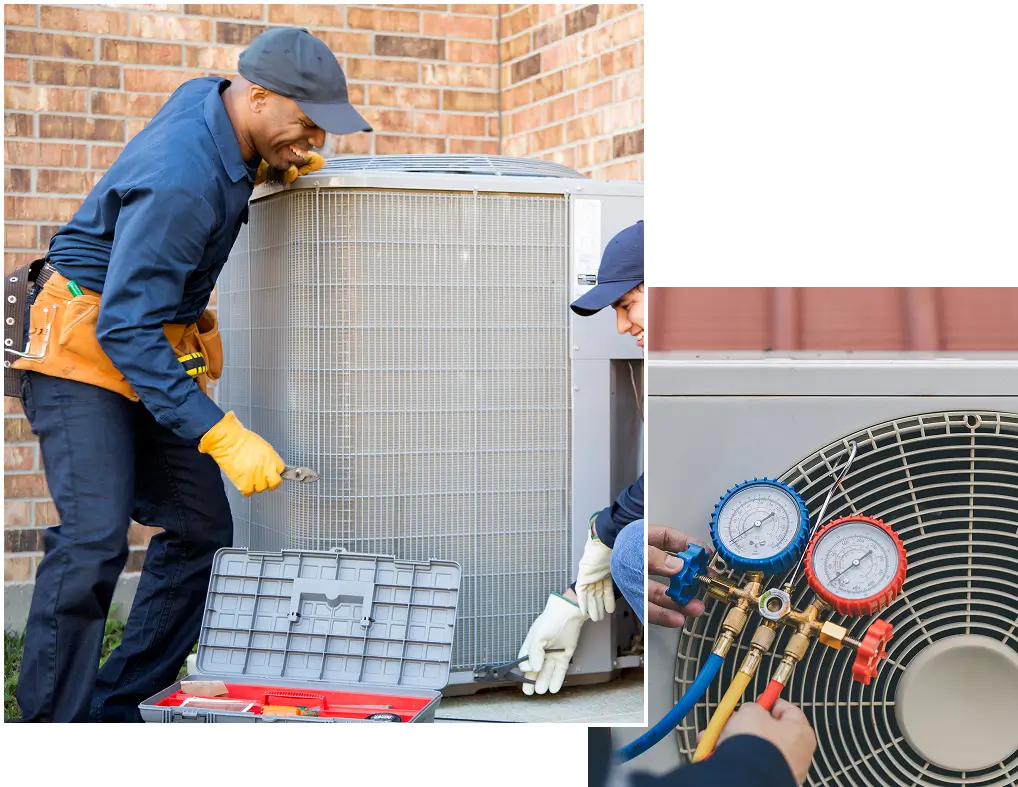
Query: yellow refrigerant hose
720	718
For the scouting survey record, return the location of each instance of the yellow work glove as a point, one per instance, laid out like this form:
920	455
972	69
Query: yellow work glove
313	163
248	460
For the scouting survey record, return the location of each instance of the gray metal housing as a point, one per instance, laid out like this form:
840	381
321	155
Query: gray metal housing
407	334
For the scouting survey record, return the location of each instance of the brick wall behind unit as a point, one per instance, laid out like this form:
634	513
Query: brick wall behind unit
80	81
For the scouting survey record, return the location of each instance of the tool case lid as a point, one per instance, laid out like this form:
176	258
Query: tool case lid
335	617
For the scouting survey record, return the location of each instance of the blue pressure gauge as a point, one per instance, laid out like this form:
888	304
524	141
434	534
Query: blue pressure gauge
760	525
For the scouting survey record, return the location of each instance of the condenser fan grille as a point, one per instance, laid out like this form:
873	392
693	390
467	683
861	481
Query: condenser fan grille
948	484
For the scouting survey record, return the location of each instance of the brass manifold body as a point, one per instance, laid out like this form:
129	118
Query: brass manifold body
806	624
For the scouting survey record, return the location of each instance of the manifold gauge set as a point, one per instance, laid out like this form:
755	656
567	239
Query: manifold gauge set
763	541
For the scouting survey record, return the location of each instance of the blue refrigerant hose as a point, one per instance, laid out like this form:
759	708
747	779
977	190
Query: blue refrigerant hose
671	719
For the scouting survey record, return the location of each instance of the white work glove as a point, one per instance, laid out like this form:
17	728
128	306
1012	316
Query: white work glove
557	627
594	589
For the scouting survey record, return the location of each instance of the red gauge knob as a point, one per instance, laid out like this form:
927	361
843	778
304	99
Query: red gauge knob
856	564
872	650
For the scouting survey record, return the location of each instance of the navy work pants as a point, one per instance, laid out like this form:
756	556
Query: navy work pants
108	461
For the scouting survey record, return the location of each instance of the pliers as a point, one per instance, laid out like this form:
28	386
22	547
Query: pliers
497	673
303	475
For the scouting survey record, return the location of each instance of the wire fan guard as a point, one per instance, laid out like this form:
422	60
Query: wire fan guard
449	164
948	485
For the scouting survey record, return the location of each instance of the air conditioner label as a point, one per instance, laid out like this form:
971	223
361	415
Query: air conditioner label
586	244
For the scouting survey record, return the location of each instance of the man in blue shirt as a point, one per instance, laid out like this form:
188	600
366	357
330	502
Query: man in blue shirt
119	352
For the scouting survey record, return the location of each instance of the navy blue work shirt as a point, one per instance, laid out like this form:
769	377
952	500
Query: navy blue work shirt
627	508
153	236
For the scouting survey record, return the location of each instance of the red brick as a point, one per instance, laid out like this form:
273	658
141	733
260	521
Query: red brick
580	20
154	80
621	117
46	514
346	43
515	48
307	15
19	457
40	209
481	10
627	29
517	21
17	513
593	97
15	69
449	124
628	144
103	156
16	125
451	26
525	69
624	59
629	170
486	147
12	406
19	14
566	157
126	104
548	11
548	86
391	96
20	236
469	101
389	145
140	535
135	561
141	52
46	233
563	108
593	43
69	74
615	10
85	21
17	259
457	76
70	127
629	85
551	137
171	28
583	128
581	75
348	144
549	34
516	146
218	57
517	96
28	485
411	46
238	34
44	99
463	52
134	126
529	119
391	21
560	55
387	119
46	154
18	181
27	42
65	182
383	70
247	11
18	569
356	93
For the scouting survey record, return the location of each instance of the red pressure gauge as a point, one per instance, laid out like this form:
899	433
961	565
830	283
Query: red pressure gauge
857	565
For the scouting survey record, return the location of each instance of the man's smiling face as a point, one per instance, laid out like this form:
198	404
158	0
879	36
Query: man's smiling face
629	314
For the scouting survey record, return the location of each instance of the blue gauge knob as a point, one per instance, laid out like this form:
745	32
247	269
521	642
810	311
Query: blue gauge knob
683	586
760	525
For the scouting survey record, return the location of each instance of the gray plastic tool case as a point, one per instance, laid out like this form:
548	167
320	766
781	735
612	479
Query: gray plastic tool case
323	622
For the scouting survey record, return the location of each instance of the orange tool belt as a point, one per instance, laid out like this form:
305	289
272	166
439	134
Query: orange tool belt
62	340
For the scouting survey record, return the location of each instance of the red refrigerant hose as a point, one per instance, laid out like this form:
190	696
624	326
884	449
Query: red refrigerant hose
770	695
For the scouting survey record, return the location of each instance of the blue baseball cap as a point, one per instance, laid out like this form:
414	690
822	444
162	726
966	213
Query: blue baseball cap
621	270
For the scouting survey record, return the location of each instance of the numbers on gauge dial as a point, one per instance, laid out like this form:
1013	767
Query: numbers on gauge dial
758	522
855	560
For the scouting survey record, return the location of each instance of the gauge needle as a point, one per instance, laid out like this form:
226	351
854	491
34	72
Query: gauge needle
852	565
755	524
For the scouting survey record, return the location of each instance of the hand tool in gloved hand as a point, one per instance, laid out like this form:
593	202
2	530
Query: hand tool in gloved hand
245	457
495	673
312	163
303	475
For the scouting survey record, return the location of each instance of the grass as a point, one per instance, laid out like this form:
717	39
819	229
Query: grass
14	644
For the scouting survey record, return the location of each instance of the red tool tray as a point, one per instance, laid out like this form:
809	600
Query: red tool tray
342	636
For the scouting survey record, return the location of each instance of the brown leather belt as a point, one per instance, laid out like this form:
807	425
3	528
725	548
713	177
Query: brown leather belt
17	286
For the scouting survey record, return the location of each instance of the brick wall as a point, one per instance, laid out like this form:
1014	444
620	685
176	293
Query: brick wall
572	86
80	81
923	319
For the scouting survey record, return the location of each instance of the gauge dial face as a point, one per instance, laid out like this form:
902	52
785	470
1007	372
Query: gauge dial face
758	522
855	560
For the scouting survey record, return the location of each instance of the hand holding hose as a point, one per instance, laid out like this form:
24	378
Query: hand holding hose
786	727
662	611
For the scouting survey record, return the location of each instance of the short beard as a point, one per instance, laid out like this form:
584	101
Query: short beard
273	175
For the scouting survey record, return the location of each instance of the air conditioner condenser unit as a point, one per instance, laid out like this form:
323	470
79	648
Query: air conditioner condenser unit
937	460
401	324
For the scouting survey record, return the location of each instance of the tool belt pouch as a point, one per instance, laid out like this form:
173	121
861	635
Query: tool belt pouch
62	341
16	288
211	344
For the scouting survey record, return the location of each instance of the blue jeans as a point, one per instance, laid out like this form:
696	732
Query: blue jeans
627	564
108	461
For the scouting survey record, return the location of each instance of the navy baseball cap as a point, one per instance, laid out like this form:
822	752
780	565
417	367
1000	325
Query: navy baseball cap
293	63
621	270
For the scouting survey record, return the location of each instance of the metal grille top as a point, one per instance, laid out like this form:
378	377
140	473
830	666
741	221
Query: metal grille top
449	164
948	484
